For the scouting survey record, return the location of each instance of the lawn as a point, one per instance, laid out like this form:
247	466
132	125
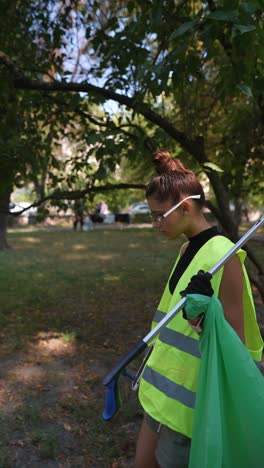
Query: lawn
71	304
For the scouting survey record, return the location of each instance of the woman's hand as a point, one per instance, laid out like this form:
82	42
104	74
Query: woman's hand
230	294
199	284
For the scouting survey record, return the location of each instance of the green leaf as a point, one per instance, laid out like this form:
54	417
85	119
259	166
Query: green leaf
224	15
183	29
243	28
212	167
249	8
245	89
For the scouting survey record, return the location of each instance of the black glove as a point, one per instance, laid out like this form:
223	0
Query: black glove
199	284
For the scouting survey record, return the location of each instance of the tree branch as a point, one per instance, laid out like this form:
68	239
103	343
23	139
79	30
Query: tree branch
11	66
148	142
213	210
194	146
77	194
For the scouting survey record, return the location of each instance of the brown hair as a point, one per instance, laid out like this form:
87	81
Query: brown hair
174	180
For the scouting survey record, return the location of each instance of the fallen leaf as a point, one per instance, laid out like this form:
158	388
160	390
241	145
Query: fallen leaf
67	427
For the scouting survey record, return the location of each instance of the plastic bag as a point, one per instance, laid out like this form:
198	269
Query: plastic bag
228	429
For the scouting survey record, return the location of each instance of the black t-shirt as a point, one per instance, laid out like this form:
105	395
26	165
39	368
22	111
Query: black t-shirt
195	243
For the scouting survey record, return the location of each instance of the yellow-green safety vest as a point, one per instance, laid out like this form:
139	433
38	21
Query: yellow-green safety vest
169	382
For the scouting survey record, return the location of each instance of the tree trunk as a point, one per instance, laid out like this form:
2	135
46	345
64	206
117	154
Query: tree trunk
40	183
230	223
4	207
6	187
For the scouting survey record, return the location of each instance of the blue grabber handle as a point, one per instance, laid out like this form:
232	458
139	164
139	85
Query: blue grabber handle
111	381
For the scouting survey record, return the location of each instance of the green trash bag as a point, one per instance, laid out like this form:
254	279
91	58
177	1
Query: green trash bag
228	429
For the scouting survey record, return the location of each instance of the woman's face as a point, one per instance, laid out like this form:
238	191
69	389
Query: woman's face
172	226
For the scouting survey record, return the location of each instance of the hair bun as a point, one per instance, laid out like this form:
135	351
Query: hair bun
165	163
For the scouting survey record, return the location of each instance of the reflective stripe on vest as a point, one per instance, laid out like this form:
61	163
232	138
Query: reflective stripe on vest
159	315
177	340
180	341
172	389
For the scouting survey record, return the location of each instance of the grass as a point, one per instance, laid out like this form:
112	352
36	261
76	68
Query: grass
71	304
82	299
60	280
47	441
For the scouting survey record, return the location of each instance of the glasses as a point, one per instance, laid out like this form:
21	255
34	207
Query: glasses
159	219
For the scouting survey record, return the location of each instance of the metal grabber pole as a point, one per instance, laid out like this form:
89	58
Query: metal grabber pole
111	381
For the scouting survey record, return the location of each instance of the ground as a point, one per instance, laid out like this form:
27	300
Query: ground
52	398
58	341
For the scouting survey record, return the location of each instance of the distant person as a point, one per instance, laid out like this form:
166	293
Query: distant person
78	215
88	223
100	212
104	209
98	208
245	213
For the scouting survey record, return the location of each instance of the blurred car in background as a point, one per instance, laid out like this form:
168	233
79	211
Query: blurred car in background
17	218
19	206
138	208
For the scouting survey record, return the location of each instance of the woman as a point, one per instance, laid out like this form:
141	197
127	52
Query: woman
169	381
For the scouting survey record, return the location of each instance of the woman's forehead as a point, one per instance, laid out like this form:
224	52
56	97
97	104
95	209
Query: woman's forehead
156	205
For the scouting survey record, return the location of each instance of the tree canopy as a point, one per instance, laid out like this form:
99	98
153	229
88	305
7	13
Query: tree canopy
121	79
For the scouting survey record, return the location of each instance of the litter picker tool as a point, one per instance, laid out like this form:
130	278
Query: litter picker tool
111	381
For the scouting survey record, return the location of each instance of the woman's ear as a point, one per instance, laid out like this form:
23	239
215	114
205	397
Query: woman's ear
186	207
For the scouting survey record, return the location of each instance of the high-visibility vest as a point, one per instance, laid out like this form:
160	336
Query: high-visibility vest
169	382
